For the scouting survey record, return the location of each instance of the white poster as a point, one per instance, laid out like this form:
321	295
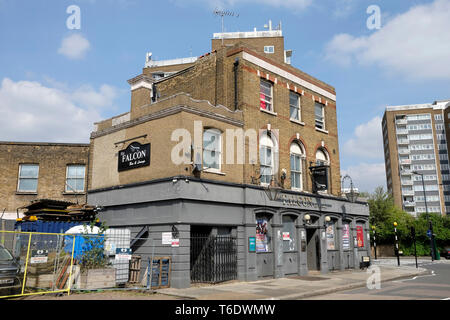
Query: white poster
345	237
330	237
167	238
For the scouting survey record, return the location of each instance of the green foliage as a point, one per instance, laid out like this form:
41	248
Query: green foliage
383	214
93	256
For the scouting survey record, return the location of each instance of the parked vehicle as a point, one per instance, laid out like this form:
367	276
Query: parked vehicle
446	253
9	273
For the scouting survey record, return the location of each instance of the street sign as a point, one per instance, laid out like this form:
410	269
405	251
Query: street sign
429	233
123	254
251	244
39	256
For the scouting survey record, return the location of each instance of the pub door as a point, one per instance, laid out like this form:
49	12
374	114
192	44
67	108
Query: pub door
313	248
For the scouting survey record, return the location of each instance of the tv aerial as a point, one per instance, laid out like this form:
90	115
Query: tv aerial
222	14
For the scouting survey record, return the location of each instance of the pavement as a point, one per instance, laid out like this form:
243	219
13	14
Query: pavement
298	287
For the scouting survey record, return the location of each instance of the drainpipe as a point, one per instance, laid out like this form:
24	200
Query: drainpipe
235	69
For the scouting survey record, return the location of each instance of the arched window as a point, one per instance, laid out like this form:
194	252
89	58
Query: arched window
212	145
322	158
297	154
267	158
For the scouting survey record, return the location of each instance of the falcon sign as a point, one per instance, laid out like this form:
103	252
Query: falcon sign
136	155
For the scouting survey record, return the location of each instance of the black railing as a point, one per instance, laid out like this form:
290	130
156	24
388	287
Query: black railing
213	258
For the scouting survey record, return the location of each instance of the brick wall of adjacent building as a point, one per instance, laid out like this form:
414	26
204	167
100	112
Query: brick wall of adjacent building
52	158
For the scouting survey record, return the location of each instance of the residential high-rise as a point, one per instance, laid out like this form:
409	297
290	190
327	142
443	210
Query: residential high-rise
415	139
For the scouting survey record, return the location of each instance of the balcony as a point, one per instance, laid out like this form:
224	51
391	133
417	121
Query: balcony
409	203
407	182
402	141
401	121
408	192
402	131
405	161
405	172
404	151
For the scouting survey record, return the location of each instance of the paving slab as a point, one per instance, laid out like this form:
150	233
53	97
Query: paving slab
291	288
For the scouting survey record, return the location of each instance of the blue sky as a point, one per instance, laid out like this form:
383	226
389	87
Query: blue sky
55	82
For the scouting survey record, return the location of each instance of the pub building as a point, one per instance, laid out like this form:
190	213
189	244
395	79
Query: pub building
229	164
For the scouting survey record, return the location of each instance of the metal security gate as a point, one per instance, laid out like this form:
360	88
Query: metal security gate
213	258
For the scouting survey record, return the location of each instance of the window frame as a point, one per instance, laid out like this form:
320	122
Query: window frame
298	106
322	120
267	164
267	49
272	109
19	178
218	133
69	190
300	157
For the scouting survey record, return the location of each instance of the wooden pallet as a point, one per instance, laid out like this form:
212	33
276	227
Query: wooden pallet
135	269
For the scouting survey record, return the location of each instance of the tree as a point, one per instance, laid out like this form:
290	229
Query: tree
380	205
383	214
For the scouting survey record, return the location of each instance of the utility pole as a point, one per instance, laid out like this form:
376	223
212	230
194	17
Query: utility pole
374	242
413	235
430	224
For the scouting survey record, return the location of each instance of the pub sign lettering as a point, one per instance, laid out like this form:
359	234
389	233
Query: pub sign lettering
136	155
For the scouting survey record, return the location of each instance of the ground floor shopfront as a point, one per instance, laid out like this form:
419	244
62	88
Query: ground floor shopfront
219	231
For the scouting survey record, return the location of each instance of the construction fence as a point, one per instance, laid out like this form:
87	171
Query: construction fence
38	263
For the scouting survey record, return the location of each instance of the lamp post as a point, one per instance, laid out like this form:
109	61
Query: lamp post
352	195
413	235
374	241
430	224
396	244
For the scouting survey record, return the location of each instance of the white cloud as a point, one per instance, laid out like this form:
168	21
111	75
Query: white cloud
74	46
415	44
30	111
367	141
366	176
87	96
343	8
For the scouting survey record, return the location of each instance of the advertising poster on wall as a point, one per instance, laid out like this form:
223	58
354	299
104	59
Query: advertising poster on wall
330	237
346	237
360	236
261	236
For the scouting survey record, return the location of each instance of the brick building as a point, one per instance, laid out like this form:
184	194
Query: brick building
416	144
225	146
31	171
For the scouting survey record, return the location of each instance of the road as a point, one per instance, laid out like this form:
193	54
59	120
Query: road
432	286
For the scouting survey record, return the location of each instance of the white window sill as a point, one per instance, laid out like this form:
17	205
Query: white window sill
269	112
297	189
215	171
297	121
26	193
321	130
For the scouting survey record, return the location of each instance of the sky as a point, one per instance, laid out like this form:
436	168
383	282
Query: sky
62	69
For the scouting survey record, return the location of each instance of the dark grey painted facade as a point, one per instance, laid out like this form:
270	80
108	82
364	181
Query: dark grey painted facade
185	203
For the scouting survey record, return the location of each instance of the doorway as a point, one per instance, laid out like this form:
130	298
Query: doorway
313	248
